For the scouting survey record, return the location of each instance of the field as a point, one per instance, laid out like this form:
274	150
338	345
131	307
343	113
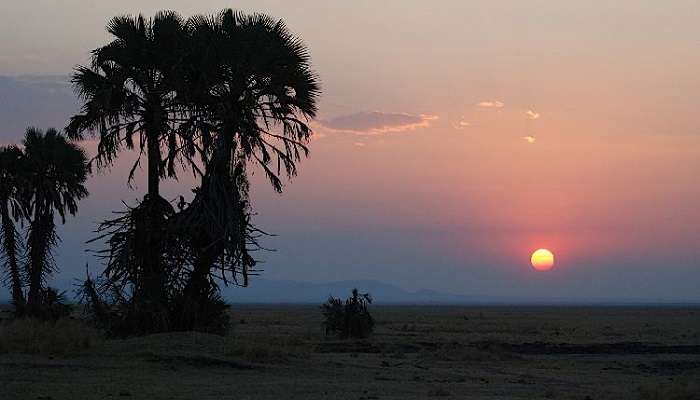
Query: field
418	352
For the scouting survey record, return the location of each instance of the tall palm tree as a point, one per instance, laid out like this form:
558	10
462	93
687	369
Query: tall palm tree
56	170
130	90
12	168
252	92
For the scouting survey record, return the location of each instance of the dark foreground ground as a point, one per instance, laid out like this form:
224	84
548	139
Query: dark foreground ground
279	352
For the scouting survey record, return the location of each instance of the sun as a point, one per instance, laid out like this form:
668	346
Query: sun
542	260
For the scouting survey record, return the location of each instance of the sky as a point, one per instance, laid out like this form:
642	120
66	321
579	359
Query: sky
454	138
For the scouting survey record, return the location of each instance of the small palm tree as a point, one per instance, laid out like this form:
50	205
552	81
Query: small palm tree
53	182
12	167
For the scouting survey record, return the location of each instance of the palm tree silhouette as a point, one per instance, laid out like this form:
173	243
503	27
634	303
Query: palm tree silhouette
130	90
216	94
12	168
252	93
53	182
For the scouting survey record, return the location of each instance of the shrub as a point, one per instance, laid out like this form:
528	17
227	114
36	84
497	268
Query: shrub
350	319
53	305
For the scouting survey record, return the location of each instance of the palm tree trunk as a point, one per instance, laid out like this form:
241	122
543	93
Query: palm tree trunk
196	291
153	217
38	243
153	166
153	226
10	245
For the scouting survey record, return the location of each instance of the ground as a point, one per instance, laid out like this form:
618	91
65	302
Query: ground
421	352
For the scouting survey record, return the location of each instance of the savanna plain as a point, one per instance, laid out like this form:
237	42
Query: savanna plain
416	352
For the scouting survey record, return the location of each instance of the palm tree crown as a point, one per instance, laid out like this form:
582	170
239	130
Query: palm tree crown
253	88
56	173
129	90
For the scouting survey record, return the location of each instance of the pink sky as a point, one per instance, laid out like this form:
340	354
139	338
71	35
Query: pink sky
456	137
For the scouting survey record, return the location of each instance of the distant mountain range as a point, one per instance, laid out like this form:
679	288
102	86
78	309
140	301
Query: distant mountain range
269	291
281	291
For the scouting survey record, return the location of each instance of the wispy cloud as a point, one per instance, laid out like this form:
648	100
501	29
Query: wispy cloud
532	114
377	122
461	124
359	144
490	104
318	135
530	139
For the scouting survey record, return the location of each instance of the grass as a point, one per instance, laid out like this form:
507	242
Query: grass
265	350
680	390
426	352
62	337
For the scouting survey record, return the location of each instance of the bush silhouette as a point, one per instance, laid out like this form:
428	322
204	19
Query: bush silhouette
349	319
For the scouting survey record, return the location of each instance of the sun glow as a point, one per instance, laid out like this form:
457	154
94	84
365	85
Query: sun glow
542	260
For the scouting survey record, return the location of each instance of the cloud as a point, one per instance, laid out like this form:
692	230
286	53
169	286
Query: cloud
532	114
359	144
461	124
318	135
490	104
376	122
530	139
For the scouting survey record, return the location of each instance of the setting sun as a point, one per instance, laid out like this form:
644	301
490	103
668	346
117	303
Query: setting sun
542	260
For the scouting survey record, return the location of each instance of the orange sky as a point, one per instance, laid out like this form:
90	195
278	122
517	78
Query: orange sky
422	173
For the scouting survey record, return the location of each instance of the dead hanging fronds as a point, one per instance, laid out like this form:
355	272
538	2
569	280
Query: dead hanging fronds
217	238
207	243
138	277
217	230
96	307
138	245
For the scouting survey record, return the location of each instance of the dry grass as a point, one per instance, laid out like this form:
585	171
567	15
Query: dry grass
681	390
457	352
265	350
281	352
31	336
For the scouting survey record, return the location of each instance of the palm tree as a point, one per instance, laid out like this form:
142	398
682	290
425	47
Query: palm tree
11	210
130	90
252	91
56	170
231	90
